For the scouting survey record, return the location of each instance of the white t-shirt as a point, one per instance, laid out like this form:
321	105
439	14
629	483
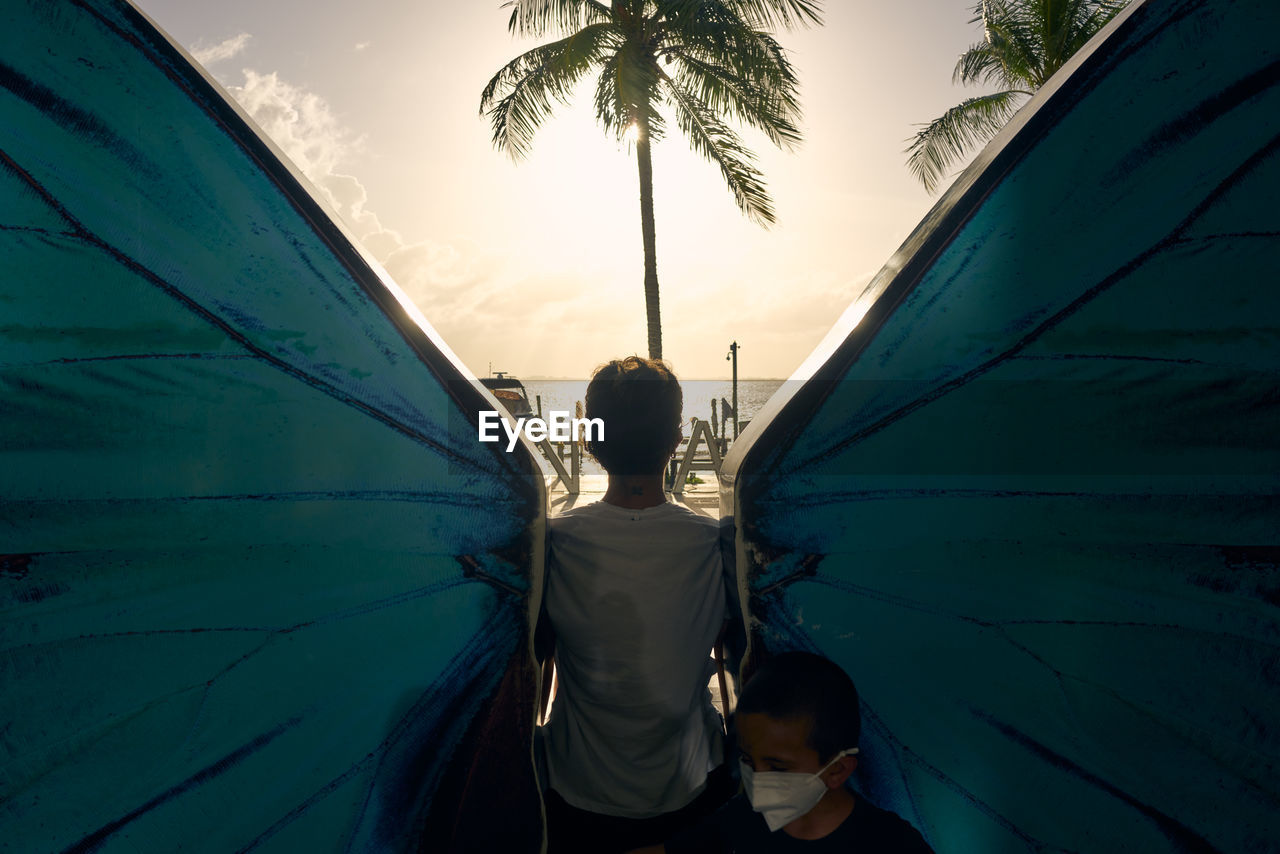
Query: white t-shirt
636	599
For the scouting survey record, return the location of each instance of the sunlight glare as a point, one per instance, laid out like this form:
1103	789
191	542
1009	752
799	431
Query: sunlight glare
632	133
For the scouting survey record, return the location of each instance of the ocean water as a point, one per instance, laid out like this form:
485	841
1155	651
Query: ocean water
698	396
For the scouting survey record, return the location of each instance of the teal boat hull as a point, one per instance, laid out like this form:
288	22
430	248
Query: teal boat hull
1028	494
261	588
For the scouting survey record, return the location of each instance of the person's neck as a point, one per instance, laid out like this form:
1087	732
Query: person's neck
828	814
635	492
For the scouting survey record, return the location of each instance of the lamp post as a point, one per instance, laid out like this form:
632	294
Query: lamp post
732	356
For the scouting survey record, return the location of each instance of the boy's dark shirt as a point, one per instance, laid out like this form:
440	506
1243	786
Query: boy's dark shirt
738	829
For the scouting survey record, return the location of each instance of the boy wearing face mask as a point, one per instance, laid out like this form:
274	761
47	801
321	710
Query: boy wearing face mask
798	725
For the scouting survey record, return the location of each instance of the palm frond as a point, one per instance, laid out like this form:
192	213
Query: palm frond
536	79
724	67
736	70
980	64
1025	42
1014	38
611	112
758	14
952	135
1058	31
1094	16
752	54
623	95
538	18
779	14
637	74
717	142
773	112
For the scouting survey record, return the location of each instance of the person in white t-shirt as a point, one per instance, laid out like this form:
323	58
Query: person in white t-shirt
636	598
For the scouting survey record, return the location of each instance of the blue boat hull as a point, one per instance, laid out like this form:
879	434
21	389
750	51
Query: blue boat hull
261	588
1028	496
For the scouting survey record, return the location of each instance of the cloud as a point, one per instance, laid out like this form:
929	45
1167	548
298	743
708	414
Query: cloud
349	197
310	134
223	50
298	121
304	126
427	269
362	45
459	286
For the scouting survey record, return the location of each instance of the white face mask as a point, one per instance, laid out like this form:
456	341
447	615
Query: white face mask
781	797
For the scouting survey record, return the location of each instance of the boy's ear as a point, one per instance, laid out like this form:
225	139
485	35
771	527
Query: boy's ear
840	771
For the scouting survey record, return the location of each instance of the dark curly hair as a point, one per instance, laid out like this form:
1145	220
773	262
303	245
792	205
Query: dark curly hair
640	402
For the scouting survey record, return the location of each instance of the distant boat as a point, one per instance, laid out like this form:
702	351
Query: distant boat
510	392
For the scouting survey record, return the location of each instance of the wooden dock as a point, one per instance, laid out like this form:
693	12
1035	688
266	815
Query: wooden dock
703	498
700	452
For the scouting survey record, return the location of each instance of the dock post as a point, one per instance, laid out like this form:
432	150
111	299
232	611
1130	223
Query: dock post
733	356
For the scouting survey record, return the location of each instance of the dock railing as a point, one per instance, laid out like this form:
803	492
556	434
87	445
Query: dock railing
702	451
570	477
694	458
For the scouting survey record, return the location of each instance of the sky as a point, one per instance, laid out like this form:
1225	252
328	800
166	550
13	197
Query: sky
536	267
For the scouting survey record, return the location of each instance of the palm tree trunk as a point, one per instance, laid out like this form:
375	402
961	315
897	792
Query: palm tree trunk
647	231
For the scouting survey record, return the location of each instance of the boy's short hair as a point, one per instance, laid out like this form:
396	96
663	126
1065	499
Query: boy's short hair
801	684
640	402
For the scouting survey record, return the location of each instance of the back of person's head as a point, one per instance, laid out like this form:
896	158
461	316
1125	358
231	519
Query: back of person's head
801	684
640	402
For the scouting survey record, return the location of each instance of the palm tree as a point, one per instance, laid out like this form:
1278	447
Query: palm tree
708	61
1026	42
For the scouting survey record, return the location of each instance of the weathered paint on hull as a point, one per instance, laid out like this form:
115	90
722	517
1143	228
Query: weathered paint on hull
260	587
1031	502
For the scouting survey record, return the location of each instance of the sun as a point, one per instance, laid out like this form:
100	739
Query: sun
632	133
